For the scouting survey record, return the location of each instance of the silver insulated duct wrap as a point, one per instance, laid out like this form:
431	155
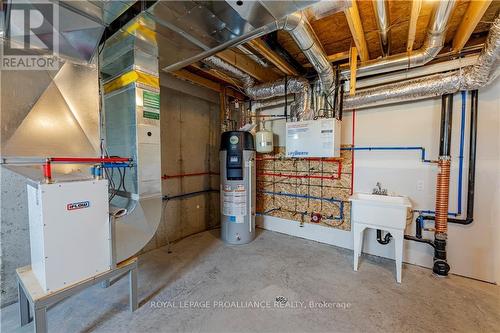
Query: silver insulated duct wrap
302	33
230	70
295	85
468	78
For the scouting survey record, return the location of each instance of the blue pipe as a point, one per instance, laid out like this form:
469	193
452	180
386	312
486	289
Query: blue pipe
422	150
303	196
461	154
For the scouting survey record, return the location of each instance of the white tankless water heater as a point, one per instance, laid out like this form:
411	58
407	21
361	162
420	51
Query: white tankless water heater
237	174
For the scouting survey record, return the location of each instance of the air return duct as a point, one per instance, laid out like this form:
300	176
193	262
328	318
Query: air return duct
132	128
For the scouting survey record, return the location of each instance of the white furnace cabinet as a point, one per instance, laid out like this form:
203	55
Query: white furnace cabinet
69	231
313	138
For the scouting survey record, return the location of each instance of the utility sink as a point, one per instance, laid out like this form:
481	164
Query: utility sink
383	210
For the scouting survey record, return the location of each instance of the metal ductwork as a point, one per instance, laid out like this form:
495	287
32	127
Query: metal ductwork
295	85
381	9
434	42
69	29
302	33
190	31
468	78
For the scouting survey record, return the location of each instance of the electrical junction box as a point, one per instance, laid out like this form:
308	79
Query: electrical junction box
69	231
313	138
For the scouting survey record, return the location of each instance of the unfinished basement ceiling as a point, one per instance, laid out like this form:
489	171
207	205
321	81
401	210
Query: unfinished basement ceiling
333	31
265	57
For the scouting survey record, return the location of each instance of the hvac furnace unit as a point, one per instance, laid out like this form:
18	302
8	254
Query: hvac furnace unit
237	174
69	231
313	138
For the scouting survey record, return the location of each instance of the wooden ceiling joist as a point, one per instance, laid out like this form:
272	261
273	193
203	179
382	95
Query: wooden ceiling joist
335	57
264	50
247	65
354	22
219	75
412	27
473	15
186	75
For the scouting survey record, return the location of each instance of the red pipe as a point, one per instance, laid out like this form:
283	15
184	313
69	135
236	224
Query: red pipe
47	168
337	176
47	171
352	151
90	159
321	159
181	175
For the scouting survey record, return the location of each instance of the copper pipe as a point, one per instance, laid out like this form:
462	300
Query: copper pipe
442	195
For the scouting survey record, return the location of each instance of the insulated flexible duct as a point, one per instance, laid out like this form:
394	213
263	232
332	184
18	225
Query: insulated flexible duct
469	78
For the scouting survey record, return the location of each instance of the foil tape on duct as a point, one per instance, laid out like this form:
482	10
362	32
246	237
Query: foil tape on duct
469	78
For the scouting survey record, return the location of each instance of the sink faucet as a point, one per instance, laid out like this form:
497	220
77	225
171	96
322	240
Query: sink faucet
378	190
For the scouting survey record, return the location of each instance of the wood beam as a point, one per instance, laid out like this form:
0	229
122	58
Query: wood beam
186	75
354	21
261	47
412	28
354	67
221	76
334	57
248	66
472	16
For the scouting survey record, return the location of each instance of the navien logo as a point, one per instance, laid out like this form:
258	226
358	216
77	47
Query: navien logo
78	205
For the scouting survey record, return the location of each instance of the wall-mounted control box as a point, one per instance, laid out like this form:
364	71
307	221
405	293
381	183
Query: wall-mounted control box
313	138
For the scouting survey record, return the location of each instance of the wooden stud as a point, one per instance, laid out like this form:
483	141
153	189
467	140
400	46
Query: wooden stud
247	65
354	67
472	16
264	50
354	21
412	28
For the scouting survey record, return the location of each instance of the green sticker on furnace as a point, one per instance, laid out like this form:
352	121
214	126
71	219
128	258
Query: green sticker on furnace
151	104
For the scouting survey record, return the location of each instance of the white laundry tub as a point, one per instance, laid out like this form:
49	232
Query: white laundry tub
383	210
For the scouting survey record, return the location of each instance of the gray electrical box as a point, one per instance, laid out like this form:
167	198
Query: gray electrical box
237	198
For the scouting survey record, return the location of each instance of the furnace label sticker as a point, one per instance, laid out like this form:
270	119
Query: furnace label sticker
234	203
78	205
151	104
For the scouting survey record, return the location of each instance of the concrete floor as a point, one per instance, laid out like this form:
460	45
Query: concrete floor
202	269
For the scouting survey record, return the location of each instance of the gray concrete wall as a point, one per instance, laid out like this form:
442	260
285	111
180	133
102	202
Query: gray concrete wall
190	130
14	232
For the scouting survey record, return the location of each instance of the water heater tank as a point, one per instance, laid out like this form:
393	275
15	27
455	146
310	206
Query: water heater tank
237	176
264	142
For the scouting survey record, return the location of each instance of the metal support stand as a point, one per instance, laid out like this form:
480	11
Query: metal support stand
34	300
